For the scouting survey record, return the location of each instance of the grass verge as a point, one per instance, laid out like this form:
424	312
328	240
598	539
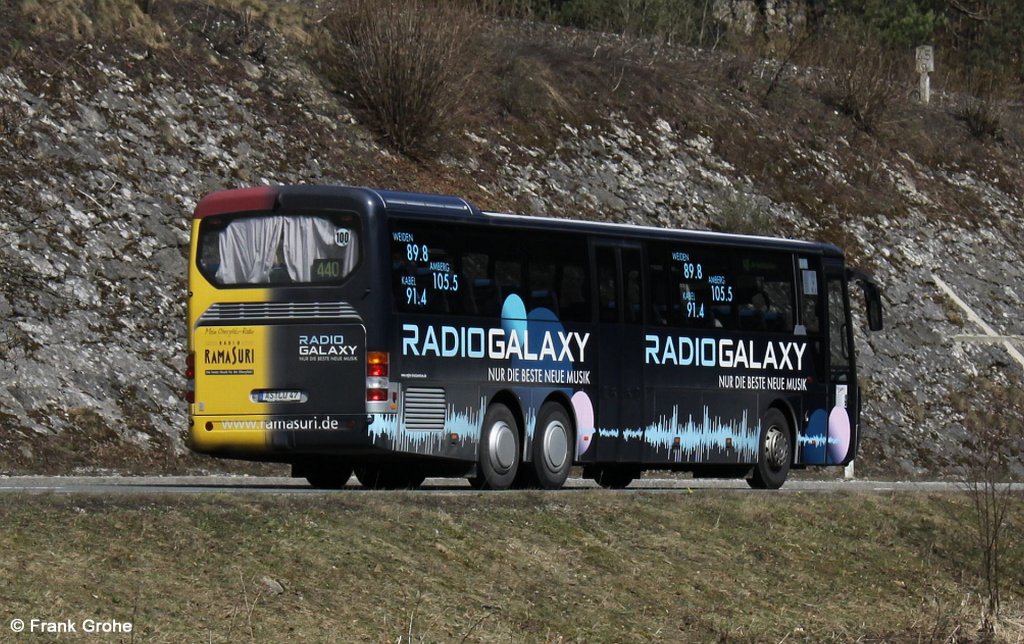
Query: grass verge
573	566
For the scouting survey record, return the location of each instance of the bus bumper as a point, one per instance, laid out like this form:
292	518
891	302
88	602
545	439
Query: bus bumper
262	436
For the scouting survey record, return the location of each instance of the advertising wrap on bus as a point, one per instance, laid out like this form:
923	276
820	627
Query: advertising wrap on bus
399	335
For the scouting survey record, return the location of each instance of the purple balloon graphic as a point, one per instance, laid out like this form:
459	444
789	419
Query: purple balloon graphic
584	409
838	434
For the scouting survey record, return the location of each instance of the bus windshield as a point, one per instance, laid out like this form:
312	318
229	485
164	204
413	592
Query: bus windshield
276	249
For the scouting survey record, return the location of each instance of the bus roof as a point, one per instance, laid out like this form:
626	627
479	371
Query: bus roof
268	199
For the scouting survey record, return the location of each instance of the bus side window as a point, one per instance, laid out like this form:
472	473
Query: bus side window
572	294
474	275
509	277
767	296
632	286
659	295
607	285
809	299
541	286
837	331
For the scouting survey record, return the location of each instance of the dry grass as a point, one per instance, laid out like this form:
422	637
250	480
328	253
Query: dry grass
570	566
92	19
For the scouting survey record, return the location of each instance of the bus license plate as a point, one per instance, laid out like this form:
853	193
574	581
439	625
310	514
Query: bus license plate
278	396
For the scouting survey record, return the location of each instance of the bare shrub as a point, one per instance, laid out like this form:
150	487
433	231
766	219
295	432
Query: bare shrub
995	436
527	89
983	116
859	77
745	214
980	107
407	65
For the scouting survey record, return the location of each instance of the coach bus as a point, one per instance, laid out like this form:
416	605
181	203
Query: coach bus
397	336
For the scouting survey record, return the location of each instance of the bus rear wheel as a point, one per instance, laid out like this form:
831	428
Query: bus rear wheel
552	447
499	450
324	478
774	454
389	477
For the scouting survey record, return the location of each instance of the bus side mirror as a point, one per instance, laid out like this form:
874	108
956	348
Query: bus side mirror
874	310
872	295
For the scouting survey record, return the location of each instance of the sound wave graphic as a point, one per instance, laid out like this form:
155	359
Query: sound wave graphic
698	441
670	438
386	433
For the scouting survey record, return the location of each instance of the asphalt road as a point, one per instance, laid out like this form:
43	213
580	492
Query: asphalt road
149	485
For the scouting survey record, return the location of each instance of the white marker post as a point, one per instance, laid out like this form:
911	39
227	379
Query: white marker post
925	66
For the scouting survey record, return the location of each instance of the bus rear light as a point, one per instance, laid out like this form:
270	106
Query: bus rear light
190	366
377	364
377	384
190	396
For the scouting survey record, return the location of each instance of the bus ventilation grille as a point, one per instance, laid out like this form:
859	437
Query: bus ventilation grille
424	410
254	311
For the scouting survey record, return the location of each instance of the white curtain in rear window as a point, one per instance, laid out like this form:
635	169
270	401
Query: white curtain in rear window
247	250
307	239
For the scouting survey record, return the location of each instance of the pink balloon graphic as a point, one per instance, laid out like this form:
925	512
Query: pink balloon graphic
838	434
584	421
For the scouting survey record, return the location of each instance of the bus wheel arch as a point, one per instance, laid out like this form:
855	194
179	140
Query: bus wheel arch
775	450
553	443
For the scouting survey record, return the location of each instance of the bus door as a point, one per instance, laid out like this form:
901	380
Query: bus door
620	404
843	393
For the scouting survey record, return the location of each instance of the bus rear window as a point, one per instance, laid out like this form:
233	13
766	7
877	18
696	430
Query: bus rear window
267	250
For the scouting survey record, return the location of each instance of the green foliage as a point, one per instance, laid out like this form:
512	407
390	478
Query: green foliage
894	23
988	38
970	35
744	214
672	21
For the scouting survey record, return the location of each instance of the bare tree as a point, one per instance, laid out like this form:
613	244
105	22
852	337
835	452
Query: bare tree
995	433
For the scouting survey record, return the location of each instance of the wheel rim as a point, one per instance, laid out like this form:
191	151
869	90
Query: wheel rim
776	448
502	447
556	446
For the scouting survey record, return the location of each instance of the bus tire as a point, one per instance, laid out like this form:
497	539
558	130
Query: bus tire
774	452
389	477
616	477
330	479
499	450
552	447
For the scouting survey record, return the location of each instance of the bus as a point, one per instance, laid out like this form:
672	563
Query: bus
396	336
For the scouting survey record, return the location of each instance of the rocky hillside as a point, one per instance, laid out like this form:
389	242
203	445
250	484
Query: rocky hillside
111	137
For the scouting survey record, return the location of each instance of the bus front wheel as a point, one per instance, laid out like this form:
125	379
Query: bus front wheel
616	477
324	478
774	454
499	450
552	447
